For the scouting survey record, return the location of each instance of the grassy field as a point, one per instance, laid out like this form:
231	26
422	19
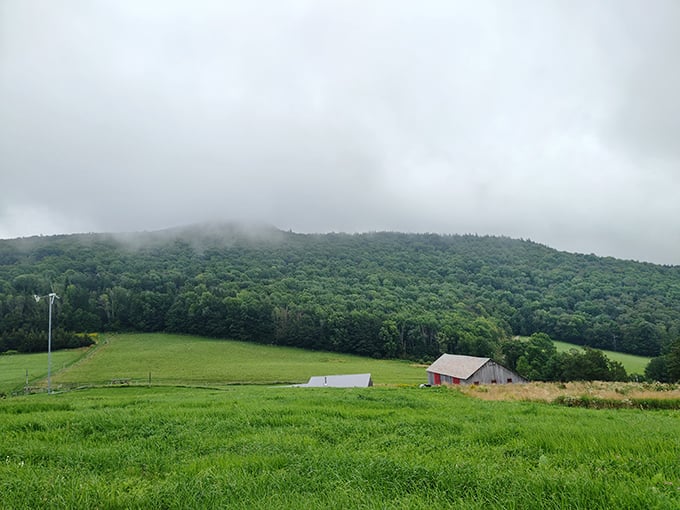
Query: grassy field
13	367
237	442
306	448
177	359
633	364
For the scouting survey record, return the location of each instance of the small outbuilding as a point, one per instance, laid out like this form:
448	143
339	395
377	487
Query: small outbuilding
457	369
339	381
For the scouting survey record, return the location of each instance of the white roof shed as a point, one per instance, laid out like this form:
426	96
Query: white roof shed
339	381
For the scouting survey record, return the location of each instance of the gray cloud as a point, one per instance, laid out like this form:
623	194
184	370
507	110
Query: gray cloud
554	121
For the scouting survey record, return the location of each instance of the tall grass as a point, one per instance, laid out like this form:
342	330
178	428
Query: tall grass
257	447
626	393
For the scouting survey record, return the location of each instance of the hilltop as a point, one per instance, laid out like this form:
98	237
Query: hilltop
382	294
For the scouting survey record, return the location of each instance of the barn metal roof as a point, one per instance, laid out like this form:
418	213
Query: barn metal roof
455	365
340	381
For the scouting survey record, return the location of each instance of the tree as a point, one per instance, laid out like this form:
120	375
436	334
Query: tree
586	365
673	361
512	350
389	337
657	369
531	358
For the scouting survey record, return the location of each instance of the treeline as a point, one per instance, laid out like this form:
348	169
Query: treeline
537	359
34	340
381	294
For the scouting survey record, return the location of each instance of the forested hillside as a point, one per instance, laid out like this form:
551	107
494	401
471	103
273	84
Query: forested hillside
378	294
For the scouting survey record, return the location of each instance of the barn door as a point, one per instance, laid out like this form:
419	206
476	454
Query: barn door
437	379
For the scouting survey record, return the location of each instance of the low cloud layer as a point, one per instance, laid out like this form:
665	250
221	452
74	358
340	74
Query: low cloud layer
555	121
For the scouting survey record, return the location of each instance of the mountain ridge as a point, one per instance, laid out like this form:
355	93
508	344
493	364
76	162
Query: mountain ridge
378	293
261	230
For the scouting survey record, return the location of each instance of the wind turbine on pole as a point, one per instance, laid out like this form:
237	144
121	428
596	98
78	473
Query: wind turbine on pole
52	296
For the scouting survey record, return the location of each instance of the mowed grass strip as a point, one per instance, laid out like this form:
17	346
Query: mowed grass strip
307	448
632	363
179	359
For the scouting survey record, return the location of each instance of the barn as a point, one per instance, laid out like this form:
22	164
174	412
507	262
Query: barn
456	369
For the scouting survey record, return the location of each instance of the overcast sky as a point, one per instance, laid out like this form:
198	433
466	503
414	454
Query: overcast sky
555	121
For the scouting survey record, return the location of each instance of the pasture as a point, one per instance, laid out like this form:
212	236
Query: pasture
632	363
306	448
187	360
14	367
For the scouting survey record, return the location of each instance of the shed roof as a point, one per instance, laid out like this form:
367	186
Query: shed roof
340	381
455	365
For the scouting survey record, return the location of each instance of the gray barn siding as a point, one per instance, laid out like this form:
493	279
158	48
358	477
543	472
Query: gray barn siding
492	371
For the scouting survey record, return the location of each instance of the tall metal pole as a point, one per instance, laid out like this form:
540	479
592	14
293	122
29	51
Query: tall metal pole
37	298
49	346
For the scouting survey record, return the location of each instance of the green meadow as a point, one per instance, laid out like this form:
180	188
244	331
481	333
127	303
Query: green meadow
178	359
14	368
306	448
213	431
632	363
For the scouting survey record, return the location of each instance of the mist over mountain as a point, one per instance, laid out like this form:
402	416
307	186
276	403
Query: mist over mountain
383	294
555	121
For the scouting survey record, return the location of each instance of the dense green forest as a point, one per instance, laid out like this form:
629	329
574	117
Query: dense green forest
377	294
